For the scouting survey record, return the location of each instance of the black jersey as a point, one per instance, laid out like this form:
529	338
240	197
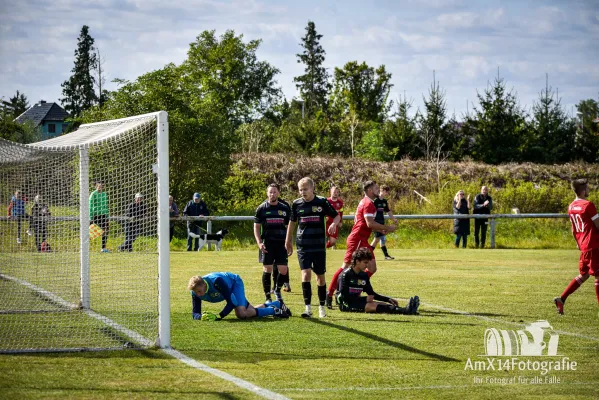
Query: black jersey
274	221
382	207
310	216
351	284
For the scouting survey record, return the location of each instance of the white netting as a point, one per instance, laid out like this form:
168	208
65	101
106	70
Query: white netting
49	299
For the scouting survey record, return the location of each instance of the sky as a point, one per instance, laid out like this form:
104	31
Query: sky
467	44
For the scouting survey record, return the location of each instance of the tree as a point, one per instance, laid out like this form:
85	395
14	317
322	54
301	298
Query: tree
499	125
78	90
218	87
15	105
553	133
100	78
363	90
314	84
433	129
587	138
400	134
24	133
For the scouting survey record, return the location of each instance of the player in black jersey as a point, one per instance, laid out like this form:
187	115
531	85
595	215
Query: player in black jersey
270	228
308	213
354	281
382	207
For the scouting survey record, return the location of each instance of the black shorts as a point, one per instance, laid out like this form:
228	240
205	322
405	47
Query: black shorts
357	304
277	254
101	221
316	261
379	234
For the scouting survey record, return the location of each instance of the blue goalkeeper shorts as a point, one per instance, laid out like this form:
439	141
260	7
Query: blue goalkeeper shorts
238	294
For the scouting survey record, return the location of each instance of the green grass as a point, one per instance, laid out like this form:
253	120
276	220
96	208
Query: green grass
347	356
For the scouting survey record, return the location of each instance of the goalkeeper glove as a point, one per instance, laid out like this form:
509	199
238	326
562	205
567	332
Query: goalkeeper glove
208	316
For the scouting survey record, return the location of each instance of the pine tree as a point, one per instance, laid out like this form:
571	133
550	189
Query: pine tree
553	132
433	125
314	84
78	90
499	125
15	105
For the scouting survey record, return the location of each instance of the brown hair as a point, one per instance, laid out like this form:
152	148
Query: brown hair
274	185
360	255
578	185
367	185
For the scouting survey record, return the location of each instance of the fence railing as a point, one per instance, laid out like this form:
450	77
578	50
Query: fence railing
491	217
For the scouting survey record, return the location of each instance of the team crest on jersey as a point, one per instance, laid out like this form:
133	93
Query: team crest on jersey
361	282
316	209
214	294
283	213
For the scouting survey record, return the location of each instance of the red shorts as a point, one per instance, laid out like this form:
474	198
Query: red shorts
353	244
336	234
589	262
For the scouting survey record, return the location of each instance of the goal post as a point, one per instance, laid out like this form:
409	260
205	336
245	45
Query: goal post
84	249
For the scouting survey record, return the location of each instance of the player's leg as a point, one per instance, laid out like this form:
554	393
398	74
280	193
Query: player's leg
305	263
319	267
583	269
104	224
351	247
384	247
281	278
266	274
376	240
275	275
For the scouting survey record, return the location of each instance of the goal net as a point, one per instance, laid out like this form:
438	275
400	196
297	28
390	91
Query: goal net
84	236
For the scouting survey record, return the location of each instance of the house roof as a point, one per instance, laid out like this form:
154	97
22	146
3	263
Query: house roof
41	112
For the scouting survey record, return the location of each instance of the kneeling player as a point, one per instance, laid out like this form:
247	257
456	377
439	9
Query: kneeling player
227	286
354	280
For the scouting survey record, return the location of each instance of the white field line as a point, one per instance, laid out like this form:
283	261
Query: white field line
467	314
267	394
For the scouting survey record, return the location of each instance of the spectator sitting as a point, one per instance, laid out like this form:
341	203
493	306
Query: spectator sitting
135	213
195	208
461	227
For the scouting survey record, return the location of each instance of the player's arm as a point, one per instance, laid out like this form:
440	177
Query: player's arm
391	216
288	237
375	226
196	306
258	237
331	212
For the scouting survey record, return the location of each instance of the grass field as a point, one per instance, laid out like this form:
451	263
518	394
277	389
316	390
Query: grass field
347	356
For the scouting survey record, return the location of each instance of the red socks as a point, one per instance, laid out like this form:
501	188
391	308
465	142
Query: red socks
575	284
333	284
597	289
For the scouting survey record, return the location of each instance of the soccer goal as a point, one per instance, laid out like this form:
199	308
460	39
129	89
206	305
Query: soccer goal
84	239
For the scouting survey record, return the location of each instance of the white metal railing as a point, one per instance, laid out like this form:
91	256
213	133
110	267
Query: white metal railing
491	217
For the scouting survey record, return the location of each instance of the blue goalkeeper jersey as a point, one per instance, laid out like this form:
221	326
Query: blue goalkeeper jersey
222	286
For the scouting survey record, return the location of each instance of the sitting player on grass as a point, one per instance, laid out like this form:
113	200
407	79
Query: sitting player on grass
354	280
227	286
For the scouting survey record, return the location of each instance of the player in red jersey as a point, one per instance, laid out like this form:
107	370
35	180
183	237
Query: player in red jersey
337	204
585	228
364	224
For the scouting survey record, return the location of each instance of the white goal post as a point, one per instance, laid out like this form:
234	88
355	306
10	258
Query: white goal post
84	238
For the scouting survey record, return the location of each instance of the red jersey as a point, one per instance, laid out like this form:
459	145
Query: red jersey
338	206
365	209
582	215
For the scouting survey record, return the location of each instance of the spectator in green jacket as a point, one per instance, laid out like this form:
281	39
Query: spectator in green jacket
98	211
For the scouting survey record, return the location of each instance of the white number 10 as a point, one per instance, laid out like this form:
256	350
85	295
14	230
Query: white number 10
577	222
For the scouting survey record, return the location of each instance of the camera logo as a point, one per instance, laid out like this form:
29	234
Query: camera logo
527	342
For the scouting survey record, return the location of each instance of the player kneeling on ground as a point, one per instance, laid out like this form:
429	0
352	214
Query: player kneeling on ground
354	280
227	286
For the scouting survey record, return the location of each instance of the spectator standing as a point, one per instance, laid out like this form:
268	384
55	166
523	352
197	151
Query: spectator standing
16	209
98	212
483	204
173	211
196	207
461	227
39	221
135	216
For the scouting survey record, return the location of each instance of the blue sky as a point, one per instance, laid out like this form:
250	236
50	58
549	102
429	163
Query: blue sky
465	42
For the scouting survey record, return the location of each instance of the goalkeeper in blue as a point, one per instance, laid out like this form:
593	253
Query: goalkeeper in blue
227	286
